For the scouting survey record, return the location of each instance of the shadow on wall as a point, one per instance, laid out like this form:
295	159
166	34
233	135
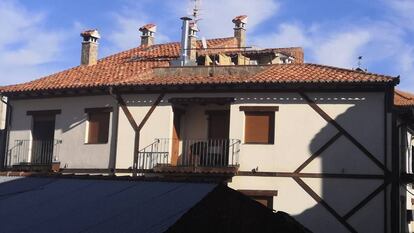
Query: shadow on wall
341	195
2	146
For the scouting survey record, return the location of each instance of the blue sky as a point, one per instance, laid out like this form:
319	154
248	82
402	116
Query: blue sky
40	37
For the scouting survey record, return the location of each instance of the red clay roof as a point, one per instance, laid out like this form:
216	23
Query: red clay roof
272	74
147	27
135	67
403	99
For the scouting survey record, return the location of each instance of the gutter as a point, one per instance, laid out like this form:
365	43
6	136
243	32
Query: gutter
6	128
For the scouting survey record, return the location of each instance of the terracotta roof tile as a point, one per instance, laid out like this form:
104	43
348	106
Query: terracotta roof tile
149	27
403	99
135	67
112	70
272	74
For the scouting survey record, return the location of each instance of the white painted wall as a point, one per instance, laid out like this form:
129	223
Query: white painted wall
70	127
2	114
299	132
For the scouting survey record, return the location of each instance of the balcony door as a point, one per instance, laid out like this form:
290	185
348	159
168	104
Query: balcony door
218	124
43	133
218	137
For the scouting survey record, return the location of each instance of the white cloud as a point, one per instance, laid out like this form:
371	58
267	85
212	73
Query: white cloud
288	35
125	34
25	46
404	12
216	15
341	49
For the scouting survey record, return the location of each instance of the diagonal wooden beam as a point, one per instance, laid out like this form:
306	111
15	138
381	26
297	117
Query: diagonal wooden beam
366	200
137	128
325	116
319	200
318	152
125	109
147	116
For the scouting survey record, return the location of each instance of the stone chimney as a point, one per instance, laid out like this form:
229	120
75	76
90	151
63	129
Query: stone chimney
90	44
240	29
192	42
147	37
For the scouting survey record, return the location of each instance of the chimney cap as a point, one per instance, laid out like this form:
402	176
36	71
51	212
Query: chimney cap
185	18
194	27
240	19
91	33
148	27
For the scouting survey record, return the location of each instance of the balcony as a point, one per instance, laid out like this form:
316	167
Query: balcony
190	156
33	155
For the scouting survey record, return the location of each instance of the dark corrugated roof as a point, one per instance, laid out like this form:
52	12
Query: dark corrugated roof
57	204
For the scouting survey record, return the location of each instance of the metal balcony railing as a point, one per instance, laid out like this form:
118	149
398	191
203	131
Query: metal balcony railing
190	153
34	152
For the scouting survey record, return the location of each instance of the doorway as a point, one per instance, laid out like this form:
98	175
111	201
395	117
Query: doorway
218	137
43	133
218	124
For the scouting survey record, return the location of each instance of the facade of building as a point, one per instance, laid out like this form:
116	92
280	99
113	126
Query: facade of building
315	141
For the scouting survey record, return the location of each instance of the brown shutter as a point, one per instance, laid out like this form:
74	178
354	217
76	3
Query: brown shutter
259	127
98	127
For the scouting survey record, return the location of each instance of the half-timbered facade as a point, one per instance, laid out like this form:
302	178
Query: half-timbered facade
315	141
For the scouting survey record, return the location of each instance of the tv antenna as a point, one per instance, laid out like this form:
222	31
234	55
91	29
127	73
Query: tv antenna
359	61
196	10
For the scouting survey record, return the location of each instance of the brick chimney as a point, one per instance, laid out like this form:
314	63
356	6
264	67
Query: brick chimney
147	37
192	42
240	29
90	44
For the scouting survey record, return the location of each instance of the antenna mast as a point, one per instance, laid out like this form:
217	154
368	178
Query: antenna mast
196	10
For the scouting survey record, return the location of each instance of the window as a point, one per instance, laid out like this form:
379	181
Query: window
259	125
264	197
98	125
264	200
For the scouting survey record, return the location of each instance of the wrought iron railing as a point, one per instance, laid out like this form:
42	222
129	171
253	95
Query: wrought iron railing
36	152
190	153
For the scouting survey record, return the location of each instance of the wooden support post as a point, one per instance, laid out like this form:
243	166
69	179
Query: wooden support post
137	128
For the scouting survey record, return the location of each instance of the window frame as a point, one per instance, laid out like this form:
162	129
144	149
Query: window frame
261	110
89	111
261	194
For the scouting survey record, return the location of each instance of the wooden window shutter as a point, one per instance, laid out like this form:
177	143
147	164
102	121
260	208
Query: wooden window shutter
259	127
98	130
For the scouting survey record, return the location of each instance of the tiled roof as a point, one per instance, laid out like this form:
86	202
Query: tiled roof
117	69
272	74
135	67
403	99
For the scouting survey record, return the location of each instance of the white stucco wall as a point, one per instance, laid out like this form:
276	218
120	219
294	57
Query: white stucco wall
2	114
299	132
70	127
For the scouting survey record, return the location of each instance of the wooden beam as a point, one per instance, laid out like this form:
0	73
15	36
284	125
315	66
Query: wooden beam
147	116
125	109
365	201
318	152
44	112
325	116
319	200
259	108
313	175
261	193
